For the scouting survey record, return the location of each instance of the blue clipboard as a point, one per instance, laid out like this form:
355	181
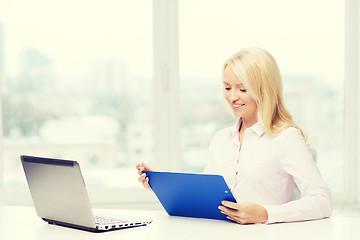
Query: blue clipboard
190	195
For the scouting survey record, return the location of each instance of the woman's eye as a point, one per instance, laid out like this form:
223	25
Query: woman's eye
242	90
227	88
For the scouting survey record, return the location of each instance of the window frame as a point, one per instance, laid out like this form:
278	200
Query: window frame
351	194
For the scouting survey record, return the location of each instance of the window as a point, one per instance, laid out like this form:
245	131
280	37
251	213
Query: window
77	84
306	39
109	83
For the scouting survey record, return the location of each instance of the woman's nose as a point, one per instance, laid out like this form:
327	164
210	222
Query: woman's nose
233	96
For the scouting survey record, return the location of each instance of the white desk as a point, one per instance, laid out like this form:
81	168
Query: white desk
22	223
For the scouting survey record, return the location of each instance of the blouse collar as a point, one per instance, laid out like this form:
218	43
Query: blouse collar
255	128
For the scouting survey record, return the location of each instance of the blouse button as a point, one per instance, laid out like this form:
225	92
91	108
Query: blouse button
237	172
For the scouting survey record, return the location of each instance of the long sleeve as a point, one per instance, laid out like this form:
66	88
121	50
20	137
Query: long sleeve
315	202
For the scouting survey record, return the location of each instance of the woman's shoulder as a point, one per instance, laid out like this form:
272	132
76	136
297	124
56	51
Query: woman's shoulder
291	133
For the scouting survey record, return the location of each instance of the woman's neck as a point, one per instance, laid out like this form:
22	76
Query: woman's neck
243	126
246	124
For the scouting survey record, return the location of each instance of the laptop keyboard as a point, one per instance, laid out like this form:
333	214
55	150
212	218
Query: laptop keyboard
108	220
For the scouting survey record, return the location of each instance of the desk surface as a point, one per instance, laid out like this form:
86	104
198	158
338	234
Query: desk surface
22	223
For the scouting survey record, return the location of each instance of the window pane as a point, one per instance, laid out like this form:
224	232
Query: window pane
306	39
77	84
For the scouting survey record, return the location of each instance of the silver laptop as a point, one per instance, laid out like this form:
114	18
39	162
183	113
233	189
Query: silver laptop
60	197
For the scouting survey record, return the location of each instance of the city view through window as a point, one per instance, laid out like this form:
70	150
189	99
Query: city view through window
77	88
82	89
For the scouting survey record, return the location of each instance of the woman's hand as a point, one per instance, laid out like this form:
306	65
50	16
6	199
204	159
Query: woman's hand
142	178
244	213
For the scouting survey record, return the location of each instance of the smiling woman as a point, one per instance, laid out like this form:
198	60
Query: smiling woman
264	155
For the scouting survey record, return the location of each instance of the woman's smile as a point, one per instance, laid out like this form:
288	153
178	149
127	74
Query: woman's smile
237	106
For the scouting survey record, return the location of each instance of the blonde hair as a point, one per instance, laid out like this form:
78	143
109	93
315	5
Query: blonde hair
260	74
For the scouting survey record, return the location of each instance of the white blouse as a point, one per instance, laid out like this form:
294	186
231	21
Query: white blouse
265	169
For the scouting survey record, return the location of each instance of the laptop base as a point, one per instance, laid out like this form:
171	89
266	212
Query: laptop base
97	230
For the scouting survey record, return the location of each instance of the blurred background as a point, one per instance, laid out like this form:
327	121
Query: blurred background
77	80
